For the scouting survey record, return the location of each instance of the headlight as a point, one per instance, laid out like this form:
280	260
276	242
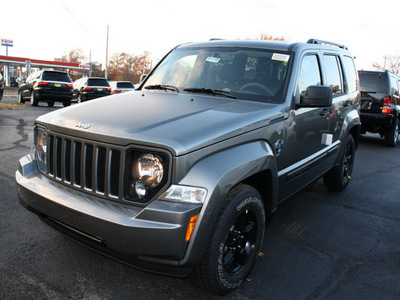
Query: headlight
146	175
41	148
186	194
150	170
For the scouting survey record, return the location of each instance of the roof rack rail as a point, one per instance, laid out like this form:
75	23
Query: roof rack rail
215	39
320	42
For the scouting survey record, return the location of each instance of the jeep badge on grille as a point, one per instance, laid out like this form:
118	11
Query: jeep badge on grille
82	125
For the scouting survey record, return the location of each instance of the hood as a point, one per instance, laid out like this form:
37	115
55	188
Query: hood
180	123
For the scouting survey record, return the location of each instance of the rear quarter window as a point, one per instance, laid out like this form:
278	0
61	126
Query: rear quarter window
351	73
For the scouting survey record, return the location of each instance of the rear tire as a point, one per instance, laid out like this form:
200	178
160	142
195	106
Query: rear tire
235	242
34	101
67	103
339	176
20	98
392	136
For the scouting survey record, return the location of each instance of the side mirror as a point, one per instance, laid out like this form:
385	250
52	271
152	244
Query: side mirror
316	96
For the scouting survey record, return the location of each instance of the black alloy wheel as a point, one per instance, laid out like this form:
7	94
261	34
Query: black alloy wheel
235	242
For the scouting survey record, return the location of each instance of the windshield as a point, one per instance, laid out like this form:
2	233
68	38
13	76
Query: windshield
248	74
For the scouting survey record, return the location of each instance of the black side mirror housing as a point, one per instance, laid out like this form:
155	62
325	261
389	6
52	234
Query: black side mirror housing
316	96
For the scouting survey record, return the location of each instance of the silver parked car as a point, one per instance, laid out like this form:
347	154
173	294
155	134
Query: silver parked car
181	176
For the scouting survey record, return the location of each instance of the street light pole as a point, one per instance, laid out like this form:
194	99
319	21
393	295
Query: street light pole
107	54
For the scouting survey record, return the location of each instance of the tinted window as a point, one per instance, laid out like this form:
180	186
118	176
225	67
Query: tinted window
125	85
395	89
310	73
98	82
373	82
56	76
351	73
333	73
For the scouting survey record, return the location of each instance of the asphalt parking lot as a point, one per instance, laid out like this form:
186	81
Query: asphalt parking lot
319	245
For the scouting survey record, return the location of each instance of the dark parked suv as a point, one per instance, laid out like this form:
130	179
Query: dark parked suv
182	175
89	88
48	86
380	104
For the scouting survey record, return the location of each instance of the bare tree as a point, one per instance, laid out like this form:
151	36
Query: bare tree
127	67
75	56
268	37
390	62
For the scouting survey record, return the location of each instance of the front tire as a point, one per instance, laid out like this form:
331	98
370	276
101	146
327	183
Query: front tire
339	176
235	242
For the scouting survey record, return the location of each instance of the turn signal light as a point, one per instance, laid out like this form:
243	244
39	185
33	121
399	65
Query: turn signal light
108	89
43	83
88	88
118	91
69	85
387	105
190	228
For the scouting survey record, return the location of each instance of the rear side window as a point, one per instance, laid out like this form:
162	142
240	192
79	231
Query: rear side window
373	82
393	83
351	73
126	85
55	76
334	73
97	82
310	73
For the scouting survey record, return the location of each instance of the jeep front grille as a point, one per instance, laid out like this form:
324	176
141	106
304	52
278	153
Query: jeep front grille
90	166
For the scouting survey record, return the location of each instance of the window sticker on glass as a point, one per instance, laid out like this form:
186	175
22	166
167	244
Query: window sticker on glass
212	59
280	57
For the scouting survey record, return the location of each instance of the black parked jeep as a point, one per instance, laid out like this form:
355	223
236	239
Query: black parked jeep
380	104
48	86
181	175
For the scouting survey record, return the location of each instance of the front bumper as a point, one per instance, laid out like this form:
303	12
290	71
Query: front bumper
150	238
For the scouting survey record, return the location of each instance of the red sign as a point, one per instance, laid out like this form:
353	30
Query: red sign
85	67
6	42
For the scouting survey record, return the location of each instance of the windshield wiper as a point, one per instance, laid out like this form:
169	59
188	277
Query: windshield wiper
164	87
211	92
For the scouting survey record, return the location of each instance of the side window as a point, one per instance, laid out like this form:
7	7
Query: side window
310	73
333	71
351	73
395	89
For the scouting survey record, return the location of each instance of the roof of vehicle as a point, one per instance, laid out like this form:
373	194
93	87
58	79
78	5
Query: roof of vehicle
270	45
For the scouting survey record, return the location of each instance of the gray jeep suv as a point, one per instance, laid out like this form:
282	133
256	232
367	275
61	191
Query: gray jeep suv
181	175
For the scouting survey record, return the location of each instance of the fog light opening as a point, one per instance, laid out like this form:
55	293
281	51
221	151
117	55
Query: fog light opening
140	189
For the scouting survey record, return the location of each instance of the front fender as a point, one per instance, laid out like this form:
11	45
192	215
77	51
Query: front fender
219	173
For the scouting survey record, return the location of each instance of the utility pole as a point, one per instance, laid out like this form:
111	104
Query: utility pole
107	54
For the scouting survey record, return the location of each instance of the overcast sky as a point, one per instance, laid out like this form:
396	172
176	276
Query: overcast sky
45	29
